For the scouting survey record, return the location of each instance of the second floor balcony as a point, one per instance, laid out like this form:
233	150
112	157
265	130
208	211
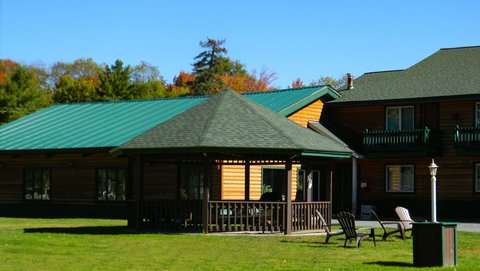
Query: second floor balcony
467	139
416	142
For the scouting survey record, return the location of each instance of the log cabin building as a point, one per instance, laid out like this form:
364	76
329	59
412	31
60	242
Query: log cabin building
397	121
77	160
59	162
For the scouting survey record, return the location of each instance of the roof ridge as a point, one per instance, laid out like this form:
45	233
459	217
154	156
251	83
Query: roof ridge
210	118
137	101
251	107
462	47
282	90
386	71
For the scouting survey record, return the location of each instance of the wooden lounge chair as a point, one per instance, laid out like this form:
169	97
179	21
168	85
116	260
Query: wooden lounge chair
328	229
404	216
387	231
347	221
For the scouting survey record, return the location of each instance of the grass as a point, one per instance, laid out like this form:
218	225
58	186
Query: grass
95	244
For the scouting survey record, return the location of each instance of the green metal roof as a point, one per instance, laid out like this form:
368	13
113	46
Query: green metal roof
287	101
230	122
110	124
447	73
89	125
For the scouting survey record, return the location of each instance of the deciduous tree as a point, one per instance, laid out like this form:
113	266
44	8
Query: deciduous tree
331	81
20	92
297	83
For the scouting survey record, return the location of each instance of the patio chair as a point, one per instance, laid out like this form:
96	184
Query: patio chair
404	216
387	231
328	229
347	221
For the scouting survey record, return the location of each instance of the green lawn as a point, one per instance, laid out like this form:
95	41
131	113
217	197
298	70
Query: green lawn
92	244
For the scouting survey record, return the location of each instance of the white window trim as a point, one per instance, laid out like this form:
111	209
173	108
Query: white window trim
400	115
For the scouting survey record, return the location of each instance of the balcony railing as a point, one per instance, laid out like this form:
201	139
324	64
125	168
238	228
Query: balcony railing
417	140
467	139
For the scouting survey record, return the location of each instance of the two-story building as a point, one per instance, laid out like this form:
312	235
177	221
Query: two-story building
399	120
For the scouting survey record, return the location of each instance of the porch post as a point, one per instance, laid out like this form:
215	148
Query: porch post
330	192
206	194
247	179
288	197
354	186
309	183
139	175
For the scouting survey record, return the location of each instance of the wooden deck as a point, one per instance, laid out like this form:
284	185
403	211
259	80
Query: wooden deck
226	216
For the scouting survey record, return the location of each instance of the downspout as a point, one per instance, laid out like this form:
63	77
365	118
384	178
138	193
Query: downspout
354	185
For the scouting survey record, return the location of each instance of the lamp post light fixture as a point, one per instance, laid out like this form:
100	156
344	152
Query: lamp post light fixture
433	173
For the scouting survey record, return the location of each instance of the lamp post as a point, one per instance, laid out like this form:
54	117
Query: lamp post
433	173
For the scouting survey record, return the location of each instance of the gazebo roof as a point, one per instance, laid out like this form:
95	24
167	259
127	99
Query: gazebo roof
230	123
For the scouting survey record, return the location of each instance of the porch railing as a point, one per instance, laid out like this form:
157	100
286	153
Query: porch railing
305	217
170	215
265	216
227	216
403	140
467	138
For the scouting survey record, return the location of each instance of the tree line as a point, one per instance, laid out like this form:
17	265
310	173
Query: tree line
27	88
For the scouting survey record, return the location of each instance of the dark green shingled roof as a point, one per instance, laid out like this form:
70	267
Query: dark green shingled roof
230	122
110	124
446	73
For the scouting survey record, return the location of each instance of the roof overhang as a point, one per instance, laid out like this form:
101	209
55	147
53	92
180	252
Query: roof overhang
324	91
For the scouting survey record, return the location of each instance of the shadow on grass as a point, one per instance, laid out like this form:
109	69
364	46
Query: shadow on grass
101	230
390	263
93	230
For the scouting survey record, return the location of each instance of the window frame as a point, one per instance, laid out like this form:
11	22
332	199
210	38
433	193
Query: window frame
387	179
401	108
42	169
186	195
97	184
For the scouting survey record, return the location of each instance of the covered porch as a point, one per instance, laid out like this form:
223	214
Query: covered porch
212	214
224	130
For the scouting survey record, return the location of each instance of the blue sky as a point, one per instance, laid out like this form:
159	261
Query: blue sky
296	39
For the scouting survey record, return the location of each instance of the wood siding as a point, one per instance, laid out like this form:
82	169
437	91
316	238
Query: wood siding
456	173
160	182
310	112
72	175
233	181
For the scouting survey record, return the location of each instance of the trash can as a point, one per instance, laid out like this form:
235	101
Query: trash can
435	244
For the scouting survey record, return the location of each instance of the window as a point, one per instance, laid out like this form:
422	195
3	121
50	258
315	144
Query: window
191	182
477	178
400	178
400	118
273	181
111	184
477	115
37	184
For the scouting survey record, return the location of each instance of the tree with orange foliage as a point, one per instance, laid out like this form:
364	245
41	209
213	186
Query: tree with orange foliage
297	83
182	84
